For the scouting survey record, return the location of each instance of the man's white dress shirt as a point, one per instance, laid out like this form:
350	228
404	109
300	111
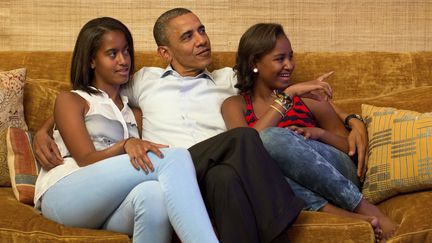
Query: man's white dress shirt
180	111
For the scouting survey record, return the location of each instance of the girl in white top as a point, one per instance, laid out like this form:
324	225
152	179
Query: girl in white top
110	178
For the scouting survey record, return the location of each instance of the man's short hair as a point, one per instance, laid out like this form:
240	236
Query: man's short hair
160	27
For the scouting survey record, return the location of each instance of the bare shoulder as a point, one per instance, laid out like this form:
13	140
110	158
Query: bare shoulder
67	99
68	96
234	101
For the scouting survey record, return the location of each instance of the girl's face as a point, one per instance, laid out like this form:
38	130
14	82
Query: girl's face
112	61
276	67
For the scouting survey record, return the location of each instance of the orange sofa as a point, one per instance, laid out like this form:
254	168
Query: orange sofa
401	80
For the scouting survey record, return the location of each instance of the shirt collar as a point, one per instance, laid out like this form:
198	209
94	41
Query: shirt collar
170	71
103	94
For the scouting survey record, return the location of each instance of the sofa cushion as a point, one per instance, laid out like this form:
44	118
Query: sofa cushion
11	112
413	212
39	99
21	223
325	227
407	99
23	167
398	156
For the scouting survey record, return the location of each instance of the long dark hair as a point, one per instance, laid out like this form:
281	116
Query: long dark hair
86	46
256	42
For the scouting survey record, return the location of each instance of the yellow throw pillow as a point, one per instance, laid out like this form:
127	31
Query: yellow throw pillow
400	152
11	113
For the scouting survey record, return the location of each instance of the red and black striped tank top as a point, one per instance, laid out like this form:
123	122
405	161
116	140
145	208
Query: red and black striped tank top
298	115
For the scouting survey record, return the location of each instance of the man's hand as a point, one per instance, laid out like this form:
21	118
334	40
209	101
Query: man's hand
46	150
358	142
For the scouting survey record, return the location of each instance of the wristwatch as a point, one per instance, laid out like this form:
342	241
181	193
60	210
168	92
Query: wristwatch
284	100
349	117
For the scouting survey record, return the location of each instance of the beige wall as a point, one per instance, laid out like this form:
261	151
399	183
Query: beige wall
332	25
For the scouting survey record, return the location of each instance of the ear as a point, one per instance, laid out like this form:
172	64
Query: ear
254	63
92	64
165	53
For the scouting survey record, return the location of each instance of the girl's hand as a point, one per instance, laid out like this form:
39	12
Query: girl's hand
315	89
137	150
314	133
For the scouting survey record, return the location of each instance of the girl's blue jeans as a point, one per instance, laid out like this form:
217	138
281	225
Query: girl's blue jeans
113	195
318	173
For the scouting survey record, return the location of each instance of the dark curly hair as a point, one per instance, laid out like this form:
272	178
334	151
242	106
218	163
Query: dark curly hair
87	44
256	42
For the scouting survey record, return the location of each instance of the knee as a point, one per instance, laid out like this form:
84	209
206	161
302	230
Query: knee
244	132
222	187
221	176
270	131
178	156
274	136
273	132
176	153
267	135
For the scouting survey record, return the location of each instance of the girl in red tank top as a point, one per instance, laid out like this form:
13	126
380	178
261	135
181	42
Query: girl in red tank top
268	98
298	115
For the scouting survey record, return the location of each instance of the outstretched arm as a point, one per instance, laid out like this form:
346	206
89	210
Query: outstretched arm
46	150
357	140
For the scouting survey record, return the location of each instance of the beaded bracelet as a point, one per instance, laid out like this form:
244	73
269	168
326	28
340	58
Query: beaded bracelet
280	104
284	99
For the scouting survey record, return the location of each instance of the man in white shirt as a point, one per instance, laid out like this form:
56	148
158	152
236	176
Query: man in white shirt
245	192
181	107
180	111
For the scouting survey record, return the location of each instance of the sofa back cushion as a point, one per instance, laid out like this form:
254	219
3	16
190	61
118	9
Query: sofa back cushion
39	99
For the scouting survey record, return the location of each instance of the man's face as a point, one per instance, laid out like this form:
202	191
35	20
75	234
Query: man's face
189	50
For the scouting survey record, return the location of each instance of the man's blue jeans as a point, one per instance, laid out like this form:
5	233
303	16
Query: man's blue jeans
318	173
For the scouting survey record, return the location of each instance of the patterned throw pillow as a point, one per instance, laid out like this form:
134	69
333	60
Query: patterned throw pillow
23	167
400	152
11	112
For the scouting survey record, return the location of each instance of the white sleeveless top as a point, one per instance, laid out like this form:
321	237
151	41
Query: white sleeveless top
106	125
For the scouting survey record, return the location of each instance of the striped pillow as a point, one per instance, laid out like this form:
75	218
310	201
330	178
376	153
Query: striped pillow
23	167
400	152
